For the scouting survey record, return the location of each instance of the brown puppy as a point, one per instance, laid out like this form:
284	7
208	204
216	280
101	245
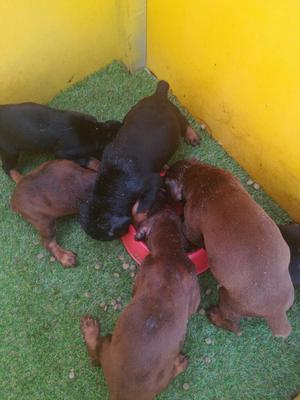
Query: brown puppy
54	189
246	251
143	354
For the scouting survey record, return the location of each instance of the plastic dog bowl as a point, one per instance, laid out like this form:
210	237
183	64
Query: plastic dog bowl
138	251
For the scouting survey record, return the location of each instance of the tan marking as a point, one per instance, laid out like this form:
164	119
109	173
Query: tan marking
93	164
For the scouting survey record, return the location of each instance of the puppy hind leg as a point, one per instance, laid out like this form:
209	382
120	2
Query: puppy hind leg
215	316
279	325
67	258
46	229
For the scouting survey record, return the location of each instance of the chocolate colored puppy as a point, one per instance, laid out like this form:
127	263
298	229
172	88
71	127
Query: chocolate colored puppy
143	354
131	164
246	251
54	189
291	234
35	127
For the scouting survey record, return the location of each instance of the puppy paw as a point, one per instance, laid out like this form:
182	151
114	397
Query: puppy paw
191	137
184	361
279	325
68	259
181	364
215	316
89	327
90	330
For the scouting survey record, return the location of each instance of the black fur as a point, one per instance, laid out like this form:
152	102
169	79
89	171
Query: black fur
291	234
131	164
34	127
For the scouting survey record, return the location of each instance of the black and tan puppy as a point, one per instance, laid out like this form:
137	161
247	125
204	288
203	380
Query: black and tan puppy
246	251
131	164
34	127
144	353
291	234
53	190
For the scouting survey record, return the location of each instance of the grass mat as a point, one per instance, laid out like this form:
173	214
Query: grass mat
41	350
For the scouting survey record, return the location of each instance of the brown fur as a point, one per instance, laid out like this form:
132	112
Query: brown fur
54	189
246	251
143	354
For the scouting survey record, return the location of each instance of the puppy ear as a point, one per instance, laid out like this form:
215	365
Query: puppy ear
174	188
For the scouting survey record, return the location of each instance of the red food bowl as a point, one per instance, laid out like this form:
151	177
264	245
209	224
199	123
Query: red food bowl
138	251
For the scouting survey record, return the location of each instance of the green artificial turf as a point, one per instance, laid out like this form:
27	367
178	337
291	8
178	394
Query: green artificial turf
41	350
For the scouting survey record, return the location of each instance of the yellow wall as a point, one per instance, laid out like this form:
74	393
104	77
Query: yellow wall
236	65
47	45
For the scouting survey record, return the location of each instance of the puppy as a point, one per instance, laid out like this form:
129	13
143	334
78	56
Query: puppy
143	354
291	234
34	127
54	189
131	164
246	251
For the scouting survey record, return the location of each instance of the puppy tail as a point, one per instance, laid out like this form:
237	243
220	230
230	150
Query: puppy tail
162	89
15	175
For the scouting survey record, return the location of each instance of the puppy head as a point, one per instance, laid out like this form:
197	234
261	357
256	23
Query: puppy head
163	223
174	178
106	215
114	226
102	226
